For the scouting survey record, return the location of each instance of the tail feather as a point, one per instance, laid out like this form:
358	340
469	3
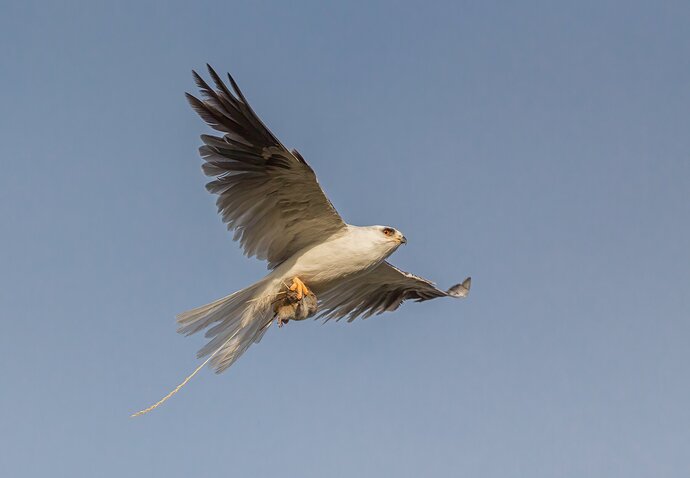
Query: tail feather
234	346
240	319
197	319
243	318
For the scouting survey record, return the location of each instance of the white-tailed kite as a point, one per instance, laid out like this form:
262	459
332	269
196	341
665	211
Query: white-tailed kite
269	196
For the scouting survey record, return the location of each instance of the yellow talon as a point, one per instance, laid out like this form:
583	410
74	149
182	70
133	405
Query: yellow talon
299	287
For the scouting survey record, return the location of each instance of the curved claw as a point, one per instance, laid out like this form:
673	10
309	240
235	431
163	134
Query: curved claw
299	287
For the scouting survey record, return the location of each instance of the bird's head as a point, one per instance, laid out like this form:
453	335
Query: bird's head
388	237
376	242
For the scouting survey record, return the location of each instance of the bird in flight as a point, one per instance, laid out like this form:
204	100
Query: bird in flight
269	197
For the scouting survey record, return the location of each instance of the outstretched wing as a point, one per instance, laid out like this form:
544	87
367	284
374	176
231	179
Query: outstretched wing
268	195
383	288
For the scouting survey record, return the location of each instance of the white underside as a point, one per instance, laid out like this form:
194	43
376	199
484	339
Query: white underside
334	260
236	321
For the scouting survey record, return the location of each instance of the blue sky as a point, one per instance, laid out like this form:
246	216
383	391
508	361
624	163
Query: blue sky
540	147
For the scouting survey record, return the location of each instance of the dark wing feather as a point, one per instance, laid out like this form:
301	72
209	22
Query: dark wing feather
267	195
382	289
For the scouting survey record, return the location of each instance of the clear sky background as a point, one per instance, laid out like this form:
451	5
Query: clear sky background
542	148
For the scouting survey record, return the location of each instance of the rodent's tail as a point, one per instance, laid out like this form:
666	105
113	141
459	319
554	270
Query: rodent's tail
240	320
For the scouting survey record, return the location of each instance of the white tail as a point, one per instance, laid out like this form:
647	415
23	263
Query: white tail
240	320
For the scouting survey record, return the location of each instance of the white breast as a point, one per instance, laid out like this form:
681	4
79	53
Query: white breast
339	256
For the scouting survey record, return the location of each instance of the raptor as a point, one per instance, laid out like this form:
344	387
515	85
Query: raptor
269	197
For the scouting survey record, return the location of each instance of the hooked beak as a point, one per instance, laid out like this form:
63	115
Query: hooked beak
403	240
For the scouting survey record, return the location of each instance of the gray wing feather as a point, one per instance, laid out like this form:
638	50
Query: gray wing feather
267	195
382	289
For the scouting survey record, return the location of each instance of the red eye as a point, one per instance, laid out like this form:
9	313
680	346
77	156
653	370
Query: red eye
388	231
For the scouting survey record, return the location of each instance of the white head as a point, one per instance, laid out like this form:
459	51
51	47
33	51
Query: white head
385	239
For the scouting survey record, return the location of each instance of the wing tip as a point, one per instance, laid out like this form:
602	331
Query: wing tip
460	290
192	100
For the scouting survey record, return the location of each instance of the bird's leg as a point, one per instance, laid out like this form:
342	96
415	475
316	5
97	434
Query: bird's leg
299	288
